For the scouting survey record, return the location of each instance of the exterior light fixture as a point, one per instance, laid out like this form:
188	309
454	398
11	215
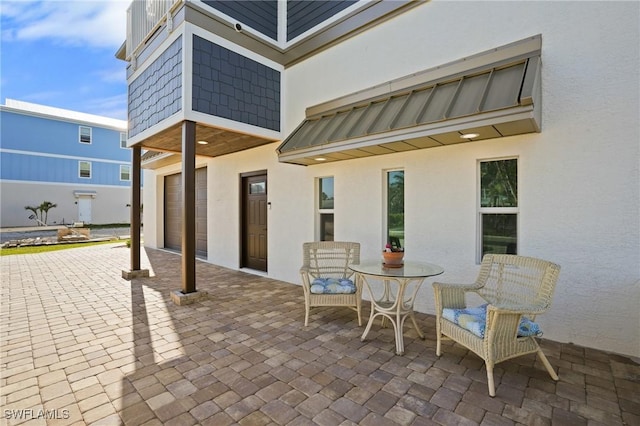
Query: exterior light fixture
320	159
203	142
469	135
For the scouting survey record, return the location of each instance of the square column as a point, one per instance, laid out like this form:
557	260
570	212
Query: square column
136	170
188	207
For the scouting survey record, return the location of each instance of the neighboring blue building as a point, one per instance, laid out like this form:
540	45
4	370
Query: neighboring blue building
78	161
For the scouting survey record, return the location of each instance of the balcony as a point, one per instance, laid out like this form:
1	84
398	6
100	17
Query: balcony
144	17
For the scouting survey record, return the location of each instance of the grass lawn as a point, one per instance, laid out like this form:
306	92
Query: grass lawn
52	247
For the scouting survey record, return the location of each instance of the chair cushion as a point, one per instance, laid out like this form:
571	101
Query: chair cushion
475	319
332	286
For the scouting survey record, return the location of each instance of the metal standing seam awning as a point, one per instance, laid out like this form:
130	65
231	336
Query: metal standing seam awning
490	100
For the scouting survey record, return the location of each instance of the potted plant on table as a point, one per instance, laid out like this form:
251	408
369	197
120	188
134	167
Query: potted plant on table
393	257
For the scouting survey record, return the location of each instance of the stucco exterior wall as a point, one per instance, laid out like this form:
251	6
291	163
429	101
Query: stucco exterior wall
579	179
108	206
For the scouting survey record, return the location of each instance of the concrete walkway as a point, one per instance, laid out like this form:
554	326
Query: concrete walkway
80	345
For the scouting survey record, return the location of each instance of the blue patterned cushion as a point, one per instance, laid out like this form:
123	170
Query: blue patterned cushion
475	319
332	286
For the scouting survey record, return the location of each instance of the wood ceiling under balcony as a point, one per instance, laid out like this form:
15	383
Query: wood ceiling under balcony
219	141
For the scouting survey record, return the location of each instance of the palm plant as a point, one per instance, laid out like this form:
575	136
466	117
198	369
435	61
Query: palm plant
44	209
35	211
41	212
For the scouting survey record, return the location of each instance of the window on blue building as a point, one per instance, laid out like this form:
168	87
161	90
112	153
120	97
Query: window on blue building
84	168
85	134
123	140
125	172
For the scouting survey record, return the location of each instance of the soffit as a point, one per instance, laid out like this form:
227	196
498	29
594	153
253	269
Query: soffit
492	100
219	142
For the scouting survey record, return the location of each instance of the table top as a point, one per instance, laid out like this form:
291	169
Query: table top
410	269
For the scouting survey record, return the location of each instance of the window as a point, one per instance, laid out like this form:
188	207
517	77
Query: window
123	140
498	207
125	173
325	209
85	134
395	208
84	169
258	187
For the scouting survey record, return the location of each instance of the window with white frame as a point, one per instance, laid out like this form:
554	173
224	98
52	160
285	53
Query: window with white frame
325	209
85	134
125	172
498	206
84	169
123	140
394	180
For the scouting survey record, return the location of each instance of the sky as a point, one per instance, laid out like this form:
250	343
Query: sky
61	53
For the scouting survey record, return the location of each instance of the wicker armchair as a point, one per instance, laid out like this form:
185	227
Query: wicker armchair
330	260
517	288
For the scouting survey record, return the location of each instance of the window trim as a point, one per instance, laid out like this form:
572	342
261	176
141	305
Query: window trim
319	211
129	172
123	140
80	169
480	211
80	135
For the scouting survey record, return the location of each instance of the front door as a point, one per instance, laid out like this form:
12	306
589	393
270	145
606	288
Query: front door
84	209
254	221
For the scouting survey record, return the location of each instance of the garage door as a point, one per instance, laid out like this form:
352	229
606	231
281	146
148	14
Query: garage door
173	212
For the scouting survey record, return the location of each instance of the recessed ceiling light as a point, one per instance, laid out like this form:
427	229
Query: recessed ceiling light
320	159
203	142
470	135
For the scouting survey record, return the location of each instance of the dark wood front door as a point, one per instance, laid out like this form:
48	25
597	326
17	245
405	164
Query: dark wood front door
254	221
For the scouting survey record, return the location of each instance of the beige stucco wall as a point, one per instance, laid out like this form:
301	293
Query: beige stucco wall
108	206
579	180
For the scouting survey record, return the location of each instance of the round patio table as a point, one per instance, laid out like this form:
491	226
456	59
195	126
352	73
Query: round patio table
395	300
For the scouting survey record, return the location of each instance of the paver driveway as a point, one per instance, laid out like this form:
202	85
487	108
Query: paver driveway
80	345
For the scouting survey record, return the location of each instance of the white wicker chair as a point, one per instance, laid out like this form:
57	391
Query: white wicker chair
513	286
330	259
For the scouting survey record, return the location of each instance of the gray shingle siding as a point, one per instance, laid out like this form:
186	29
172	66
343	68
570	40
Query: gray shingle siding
229	85
302	15
260	15
157	93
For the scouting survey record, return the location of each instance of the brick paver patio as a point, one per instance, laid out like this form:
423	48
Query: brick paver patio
81	345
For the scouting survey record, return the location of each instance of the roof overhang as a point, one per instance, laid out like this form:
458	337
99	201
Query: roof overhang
155	159
492	94
83	193
211	141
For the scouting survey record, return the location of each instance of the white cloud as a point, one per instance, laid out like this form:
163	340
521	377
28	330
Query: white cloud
92	23
43	97
116	75
112	106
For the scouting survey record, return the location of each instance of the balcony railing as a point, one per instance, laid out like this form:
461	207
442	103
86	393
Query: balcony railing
143	18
